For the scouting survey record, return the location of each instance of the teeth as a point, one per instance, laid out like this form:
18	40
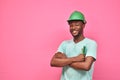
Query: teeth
74	31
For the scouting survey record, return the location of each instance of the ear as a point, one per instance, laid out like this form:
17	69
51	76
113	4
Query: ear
83	25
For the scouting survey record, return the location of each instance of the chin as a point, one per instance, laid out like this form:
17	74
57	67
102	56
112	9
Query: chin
75	35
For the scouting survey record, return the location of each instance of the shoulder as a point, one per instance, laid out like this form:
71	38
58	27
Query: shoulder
67	41
63	45
91	41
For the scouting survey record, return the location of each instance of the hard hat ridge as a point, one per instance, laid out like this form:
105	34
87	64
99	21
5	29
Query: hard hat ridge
76	15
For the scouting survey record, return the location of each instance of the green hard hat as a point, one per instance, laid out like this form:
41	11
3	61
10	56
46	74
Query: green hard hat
76	15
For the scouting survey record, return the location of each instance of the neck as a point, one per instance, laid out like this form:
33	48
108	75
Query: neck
78	38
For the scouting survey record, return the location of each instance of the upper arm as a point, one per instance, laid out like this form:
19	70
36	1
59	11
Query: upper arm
91	50
91	54
88	62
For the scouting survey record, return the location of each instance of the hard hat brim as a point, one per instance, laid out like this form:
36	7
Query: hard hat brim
84	22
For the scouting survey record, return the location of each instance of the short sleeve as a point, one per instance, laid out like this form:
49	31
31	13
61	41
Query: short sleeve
92	49
61	48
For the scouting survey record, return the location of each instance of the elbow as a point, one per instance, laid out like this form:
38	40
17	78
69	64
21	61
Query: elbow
52	64
87	68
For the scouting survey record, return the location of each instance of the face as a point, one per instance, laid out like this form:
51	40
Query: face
76	28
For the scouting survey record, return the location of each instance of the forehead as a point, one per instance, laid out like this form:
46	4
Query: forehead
75	22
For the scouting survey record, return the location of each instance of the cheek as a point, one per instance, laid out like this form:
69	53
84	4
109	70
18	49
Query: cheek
70	30
79	28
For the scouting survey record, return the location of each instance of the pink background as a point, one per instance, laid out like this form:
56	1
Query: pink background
31	30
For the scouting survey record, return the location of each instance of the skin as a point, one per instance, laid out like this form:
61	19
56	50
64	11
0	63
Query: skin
79	62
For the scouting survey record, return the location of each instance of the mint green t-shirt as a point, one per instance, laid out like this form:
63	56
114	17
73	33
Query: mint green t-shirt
72	49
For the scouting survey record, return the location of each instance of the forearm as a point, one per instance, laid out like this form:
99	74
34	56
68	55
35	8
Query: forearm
60	62
57	62
80	65
85	65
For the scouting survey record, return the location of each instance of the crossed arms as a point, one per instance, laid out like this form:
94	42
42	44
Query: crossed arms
78	62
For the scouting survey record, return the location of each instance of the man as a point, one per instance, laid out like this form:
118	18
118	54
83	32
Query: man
77	55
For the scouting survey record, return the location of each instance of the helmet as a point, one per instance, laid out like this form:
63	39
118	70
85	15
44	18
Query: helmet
76	15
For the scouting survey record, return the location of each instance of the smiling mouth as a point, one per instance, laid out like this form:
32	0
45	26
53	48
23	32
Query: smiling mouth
74	32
